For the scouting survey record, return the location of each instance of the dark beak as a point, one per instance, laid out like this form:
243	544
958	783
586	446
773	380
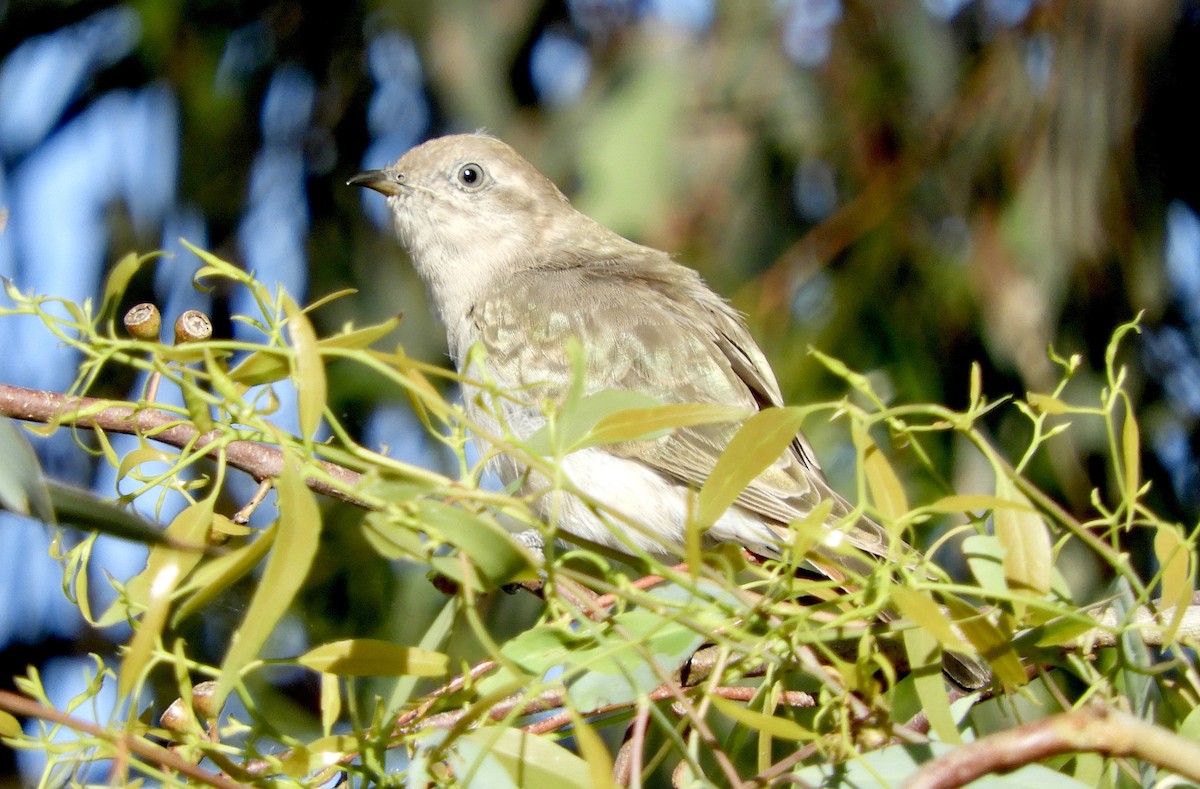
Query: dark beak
381	181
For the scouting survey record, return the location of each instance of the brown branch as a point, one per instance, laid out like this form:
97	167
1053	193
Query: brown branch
258	460
1094	729
155	753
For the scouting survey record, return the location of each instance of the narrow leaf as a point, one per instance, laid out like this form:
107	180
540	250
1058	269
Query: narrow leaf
153	587
496	757
973	503
117	281
9	726
309	371
771	725
1132	453
331	702
593	750
264	366
641	423
758	444
1176	572
923	611
886	490
295	548
1047	404
22	488
925	660
220	573
367	657
1026	541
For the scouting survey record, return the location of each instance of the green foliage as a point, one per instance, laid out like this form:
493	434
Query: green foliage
715	671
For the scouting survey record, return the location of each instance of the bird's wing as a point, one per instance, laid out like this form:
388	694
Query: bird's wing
654	328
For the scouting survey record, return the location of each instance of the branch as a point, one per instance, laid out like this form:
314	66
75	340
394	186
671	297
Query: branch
258	460
147	750
1096	729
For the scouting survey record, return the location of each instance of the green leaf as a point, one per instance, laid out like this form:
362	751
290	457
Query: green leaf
985	558
645	423
758	444
295	548
356	339
496	758
367	657
576	420
85	510
1176	573
309	370
222	572
153	588
1026	540
617	669
972	503
925	660
265	366
118	280
771	725
1131	453
887	492
1047	404
331	702
593	750
390	539
269	365
490	547
989	641
9	726
924	612
23	489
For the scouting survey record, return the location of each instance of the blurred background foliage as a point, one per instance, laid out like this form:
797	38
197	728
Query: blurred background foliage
910	186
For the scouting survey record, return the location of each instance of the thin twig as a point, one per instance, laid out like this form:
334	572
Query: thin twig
155	753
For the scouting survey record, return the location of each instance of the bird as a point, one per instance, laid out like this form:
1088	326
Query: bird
516	274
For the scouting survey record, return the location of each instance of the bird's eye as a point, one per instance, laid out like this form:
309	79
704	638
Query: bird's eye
471	176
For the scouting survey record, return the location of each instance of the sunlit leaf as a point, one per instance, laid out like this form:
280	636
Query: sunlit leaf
577	418
644	423
9	726
985	558
361	657
887	492
1175	561
355	339
1047	404
1026	540
295	548
309	372
493	757
973	503
220	573
923	611
759	443
988	640
925	660
490	547
772	725
331	702
1132	454
264	366
593	750
153	588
